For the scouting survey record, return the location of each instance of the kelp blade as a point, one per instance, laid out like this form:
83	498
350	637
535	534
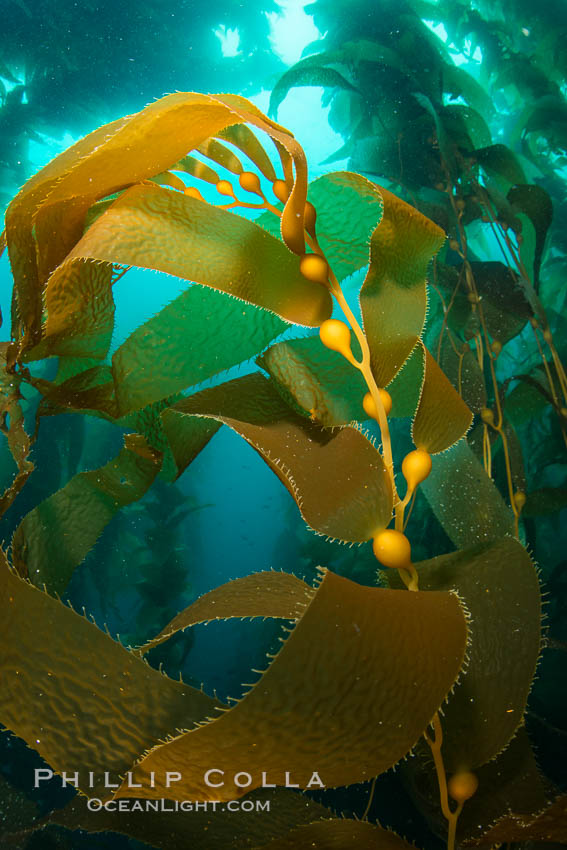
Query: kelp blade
348	687
338	479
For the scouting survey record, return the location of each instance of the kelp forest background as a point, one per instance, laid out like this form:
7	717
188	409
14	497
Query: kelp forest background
460	110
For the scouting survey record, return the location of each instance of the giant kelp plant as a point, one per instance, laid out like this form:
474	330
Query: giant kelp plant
437	660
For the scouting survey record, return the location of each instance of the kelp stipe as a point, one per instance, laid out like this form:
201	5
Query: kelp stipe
365	671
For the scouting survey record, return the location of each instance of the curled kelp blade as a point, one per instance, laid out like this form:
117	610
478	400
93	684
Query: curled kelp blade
20	236
80	698
393	297
498	584
155	228
46	218
55	537
347	681
265	594
337	478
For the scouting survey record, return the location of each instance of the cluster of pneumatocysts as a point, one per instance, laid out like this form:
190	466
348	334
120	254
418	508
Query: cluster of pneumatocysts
391	546
315	269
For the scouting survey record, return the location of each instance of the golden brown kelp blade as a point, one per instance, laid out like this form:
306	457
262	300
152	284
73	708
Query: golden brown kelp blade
264	594
336	698
442	417
346	631
46	218
338	479
75	695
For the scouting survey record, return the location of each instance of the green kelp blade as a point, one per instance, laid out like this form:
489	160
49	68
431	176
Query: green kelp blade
316	381
201	829
349	208
155	228
265	594
55	537
405	388
393	297
545	500
338	478
335	699
93	392
465	500
499	586
442	417
339	834
77	697
499	161
201	333
504	304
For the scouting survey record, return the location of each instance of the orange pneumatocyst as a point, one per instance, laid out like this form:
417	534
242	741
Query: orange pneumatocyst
370	407
336	336
225	188
192	192
392	549
462	786
280	190
315	268
250	182
416	466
